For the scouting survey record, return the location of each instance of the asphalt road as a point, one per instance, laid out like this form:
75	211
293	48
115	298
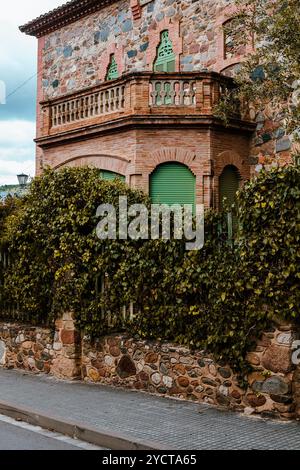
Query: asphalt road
20	436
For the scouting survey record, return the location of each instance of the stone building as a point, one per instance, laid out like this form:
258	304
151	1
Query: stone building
129	86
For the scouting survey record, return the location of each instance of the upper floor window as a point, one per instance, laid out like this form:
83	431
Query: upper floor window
165	58
112	70
232	39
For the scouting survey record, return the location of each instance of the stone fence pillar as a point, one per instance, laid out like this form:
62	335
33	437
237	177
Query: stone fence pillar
67	344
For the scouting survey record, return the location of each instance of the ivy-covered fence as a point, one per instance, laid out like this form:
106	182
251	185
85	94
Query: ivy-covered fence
219	298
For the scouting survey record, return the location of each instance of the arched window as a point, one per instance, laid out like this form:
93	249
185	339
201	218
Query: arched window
165	58
112	70
229	183
111	175
233	39
172	183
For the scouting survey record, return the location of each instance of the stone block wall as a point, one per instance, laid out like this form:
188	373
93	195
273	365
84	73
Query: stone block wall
170	370
77	55
28	348
270	146
38	349
163	369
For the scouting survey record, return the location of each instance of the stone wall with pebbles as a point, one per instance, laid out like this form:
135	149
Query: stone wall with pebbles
163	369
170	370
37	349
25	347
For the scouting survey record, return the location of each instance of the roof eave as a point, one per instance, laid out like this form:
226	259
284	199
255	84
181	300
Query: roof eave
62	16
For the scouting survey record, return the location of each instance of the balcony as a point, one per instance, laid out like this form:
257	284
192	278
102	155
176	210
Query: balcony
134	99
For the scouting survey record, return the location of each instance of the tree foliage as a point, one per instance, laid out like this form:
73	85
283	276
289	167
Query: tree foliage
269	78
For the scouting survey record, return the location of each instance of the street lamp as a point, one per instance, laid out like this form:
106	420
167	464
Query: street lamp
22	180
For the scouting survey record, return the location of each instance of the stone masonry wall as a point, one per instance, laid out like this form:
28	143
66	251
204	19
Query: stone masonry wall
76	56
163	369
170	370
37	349
270	144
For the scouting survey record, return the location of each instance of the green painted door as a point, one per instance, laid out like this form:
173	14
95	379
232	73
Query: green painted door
228	185
172	183
110	175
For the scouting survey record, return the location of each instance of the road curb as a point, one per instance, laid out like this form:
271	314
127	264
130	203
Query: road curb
113	441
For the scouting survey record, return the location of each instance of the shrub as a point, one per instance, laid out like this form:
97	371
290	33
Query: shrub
219	298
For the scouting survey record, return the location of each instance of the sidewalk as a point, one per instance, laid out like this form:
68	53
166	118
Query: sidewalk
137	417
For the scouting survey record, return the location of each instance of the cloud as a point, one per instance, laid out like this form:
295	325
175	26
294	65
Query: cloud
10	170
18	63
18	57
16	132
22	12
17	150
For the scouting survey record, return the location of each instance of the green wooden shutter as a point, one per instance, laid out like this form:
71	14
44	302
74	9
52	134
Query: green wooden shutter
165	59
172	183
112	72
229	185
110	175
165	62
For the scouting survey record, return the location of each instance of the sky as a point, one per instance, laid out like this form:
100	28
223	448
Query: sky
18	63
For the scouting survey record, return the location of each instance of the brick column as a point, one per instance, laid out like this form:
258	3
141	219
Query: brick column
139	96
67	343
40	96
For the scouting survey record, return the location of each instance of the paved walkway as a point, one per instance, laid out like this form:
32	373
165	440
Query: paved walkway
174	424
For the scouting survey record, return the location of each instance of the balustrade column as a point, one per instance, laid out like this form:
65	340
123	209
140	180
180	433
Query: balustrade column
139	95
46	118
207	97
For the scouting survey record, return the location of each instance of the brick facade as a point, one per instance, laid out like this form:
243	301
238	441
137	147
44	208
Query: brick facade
76	55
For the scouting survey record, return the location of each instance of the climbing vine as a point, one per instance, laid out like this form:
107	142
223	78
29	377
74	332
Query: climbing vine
219	298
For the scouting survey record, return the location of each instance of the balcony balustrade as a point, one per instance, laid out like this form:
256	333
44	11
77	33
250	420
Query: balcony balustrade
135	95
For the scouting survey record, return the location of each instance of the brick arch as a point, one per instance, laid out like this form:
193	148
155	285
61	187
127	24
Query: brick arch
222	63
104	162
229	67
231	157
191	160
174	154
118	52
154	40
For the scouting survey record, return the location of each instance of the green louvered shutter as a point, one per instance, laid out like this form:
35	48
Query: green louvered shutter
112	72
165	59
172	183
110	175
165	62
229	185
